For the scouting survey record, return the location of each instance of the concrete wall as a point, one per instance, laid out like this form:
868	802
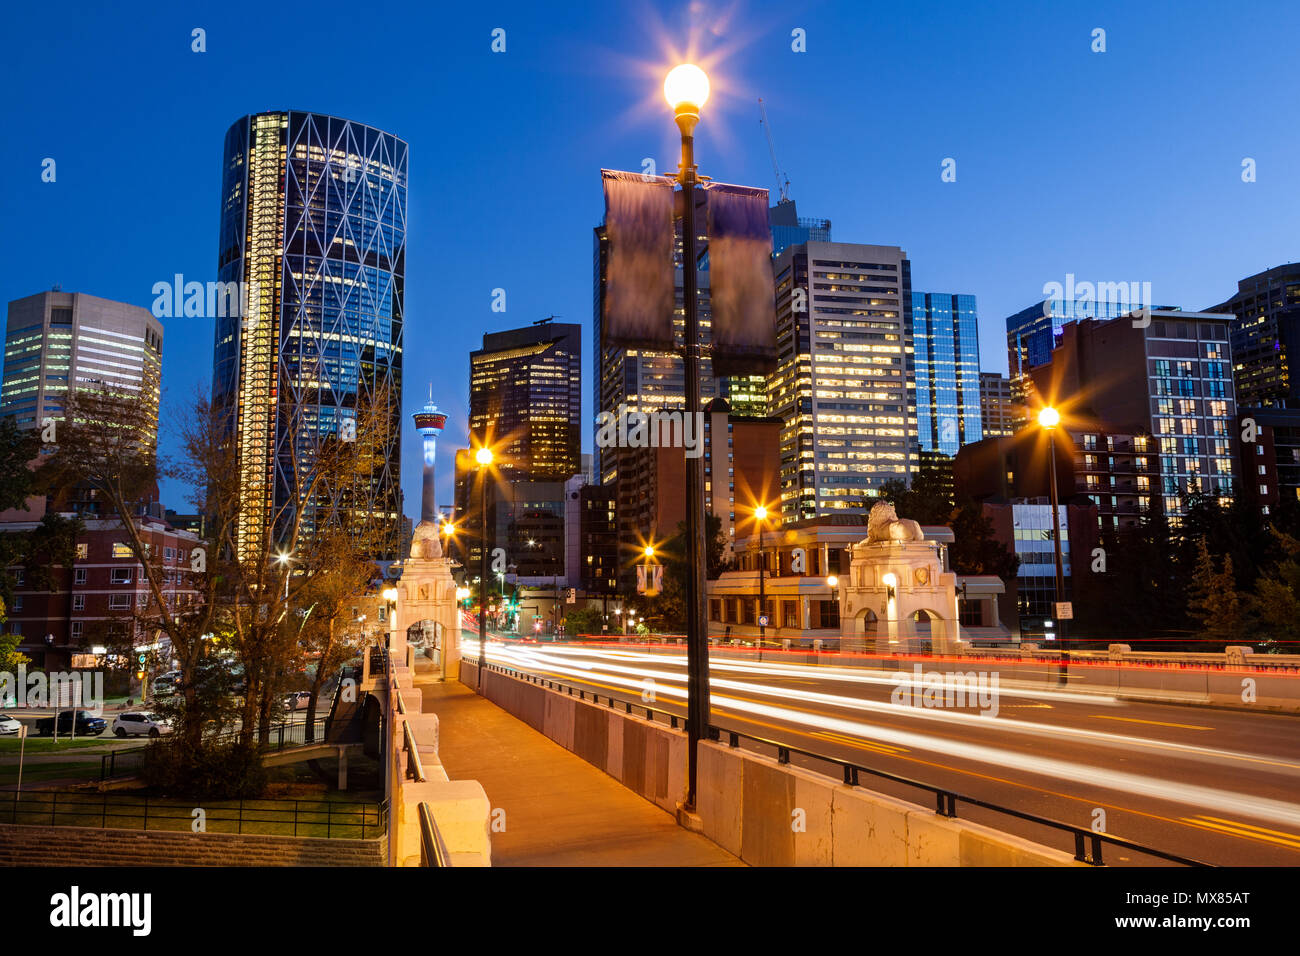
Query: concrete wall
747	803
646	757
82	846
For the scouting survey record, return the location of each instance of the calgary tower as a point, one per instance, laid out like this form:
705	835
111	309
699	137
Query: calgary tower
429	422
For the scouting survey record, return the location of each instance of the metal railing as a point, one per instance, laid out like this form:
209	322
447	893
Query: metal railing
433	851
1087	843
319	818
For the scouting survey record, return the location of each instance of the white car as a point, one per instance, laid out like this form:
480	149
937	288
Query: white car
139	723
8	726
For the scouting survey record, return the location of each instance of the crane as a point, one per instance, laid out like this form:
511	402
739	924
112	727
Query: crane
767	128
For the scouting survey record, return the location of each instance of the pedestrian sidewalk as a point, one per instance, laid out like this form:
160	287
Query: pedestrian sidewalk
559	809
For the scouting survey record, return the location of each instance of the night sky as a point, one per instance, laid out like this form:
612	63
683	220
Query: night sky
1116	166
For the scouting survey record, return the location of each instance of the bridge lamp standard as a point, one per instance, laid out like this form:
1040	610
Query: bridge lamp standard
760	517
1048	420
484	457
686	88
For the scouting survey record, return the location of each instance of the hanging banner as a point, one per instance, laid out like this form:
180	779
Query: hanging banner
639	295
741	289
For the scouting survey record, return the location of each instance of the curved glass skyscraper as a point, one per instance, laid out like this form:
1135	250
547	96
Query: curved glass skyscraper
313	227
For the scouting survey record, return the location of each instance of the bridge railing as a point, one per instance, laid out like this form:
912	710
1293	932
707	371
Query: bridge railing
433	851
1087	843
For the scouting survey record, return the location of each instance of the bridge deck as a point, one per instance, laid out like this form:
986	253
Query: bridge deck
559	809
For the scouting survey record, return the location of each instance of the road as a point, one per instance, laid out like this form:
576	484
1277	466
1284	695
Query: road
1209	784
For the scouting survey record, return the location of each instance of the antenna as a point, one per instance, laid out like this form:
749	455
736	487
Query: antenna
763	121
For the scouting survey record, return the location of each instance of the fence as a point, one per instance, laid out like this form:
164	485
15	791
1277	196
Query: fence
282	736
310	818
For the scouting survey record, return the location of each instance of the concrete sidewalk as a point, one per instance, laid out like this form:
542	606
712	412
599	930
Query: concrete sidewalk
559	809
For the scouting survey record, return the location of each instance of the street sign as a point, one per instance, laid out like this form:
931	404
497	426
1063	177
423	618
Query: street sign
572	596
762	620
1065	610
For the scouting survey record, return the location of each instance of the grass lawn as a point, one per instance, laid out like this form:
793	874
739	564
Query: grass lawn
48	771
48	745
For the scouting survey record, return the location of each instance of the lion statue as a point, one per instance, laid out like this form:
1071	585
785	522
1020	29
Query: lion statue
425	543
884	524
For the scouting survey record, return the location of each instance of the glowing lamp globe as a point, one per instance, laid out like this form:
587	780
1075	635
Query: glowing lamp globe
1049	417
686	85
760	512
483	456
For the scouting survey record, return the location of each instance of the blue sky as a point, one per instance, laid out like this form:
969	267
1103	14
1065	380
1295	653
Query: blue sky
1115	166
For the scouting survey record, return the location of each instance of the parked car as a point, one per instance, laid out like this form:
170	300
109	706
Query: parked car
298	700
87	724
9	727
138	723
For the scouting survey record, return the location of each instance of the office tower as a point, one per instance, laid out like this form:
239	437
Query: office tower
1266	337
946	356
999	414
747	394
313	225
843	387
789	229
1132	393
429	422
60	341
525	400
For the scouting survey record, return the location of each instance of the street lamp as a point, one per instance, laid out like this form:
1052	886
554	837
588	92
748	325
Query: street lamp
283	561
484	458
1048	419
760	516
686	88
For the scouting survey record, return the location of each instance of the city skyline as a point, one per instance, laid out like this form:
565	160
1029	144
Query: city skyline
1037	197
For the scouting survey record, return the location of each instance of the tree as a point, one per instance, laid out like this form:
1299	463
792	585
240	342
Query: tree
583	620
1213	600
975	549
1276	603
925	501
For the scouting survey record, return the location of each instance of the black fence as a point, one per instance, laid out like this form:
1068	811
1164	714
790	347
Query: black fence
312	818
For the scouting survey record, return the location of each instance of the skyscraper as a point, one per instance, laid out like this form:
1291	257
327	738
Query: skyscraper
56	342
844	384
999	414
313	224
946	353
1137	396
525	399
1266	338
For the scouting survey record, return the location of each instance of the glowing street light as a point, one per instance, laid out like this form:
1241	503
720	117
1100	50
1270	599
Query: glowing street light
1048	419
686	86
484	458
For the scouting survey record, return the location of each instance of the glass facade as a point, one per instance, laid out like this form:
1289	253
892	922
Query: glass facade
1036	578
313	222
945	344
1033	333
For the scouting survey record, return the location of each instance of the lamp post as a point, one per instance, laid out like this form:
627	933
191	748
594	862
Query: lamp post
1048	419
484	458
687	89
760	515
283	561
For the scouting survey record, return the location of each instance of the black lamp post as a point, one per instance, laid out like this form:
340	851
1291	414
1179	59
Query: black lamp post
1048	419
687	89
760	515
484	458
